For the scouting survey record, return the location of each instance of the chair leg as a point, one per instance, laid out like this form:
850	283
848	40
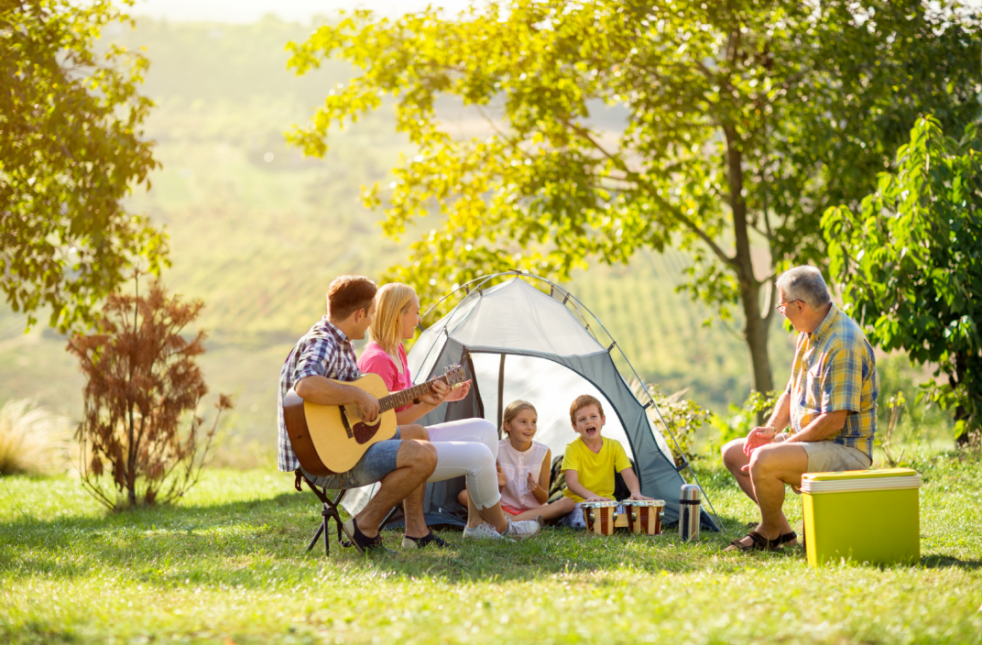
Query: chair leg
313	541
343	542
388	516
327	542
329	509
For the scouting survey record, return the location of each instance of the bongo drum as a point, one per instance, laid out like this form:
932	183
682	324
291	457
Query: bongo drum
646	515
599	517
623	519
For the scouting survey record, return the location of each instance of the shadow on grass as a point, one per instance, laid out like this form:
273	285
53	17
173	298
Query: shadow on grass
947	562
146	535
241	543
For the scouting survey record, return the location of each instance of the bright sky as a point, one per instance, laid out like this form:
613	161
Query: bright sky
246	11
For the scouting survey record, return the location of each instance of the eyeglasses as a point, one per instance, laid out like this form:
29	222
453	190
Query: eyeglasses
781	307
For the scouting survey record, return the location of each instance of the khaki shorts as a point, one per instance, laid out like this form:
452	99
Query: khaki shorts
827	456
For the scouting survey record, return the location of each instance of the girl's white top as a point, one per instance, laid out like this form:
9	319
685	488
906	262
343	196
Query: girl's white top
517	466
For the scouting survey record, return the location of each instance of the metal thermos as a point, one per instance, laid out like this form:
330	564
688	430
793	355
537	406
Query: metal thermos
689	512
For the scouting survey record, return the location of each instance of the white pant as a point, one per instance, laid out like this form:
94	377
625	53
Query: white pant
469	448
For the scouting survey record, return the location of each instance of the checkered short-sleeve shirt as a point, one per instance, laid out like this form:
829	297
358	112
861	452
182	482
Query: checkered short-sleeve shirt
834	369
323	351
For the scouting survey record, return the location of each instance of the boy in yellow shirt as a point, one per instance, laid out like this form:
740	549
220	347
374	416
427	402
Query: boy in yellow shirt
591	461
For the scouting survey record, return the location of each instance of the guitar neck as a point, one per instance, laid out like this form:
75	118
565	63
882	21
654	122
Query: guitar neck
405	397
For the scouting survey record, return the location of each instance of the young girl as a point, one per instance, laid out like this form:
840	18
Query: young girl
524	468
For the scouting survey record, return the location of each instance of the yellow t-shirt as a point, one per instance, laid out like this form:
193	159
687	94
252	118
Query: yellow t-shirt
595	470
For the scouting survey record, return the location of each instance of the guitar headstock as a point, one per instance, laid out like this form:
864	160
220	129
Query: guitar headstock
454	374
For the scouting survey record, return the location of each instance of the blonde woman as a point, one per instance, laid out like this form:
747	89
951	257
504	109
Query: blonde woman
395	320
468	447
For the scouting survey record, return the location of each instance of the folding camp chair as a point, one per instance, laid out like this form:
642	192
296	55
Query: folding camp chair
329	510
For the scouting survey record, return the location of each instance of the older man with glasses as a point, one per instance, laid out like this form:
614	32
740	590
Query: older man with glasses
828	406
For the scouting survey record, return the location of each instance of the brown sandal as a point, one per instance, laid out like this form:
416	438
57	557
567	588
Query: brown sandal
785	538
758	543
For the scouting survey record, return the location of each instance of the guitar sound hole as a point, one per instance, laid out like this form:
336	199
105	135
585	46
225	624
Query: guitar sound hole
364	432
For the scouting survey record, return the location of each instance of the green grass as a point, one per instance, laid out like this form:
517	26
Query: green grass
229	565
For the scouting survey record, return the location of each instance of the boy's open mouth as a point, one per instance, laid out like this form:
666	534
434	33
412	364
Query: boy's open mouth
590	429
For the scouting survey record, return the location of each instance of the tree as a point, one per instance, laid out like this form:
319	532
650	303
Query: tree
742	120
71	149
142	384
909	263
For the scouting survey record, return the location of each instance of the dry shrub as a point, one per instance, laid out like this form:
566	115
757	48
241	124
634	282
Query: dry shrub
142	441
33	441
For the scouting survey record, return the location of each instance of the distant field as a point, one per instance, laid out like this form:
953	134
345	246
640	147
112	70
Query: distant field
257	232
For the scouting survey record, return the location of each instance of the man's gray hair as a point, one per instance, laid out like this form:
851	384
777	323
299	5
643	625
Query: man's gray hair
804	283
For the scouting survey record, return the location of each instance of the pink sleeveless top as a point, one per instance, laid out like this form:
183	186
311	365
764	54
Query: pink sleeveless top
517	466
374	359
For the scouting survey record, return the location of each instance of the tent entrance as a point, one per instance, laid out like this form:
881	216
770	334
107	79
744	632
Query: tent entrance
548	386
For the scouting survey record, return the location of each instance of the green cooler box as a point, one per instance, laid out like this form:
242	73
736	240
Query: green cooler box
862	515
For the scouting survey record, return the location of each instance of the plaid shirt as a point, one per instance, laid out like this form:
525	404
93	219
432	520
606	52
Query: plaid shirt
323	351
834	369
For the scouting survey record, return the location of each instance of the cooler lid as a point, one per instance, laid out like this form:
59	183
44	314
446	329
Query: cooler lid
860	474
860	480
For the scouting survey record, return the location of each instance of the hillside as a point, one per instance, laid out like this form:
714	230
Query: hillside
257	232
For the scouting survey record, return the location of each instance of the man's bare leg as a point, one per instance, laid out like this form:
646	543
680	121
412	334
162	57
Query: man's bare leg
415	462
738	464
412	506
771	468
734	459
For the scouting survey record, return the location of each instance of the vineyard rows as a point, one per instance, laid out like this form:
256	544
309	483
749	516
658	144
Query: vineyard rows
663	335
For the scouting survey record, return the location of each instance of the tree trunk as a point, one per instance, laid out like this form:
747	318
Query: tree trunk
131	457
756	326
756	332
972	434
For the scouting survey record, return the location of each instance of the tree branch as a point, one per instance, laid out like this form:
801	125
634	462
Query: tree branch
652	192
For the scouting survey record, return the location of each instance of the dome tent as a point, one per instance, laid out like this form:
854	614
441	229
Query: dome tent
517	342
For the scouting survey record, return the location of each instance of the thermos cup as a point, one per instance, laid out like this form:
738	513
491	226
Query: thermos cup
689	513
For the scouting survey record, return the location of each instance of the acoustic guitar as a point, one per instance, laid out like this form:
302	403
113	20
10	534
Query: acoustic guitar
331	439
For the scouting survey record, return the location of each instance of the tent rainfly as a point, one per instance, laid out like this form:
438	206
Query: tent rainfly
516	341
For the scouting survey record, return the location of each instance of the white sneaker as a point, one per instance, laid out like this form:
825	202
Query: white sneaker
521	530
485	531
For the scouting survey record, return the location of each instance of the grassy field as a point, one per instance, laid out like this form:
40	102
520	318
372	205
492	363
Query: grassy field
228	566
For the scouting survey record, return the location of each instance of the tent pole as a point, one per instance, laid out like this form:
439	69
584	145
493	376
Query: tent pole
501	393
671	435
